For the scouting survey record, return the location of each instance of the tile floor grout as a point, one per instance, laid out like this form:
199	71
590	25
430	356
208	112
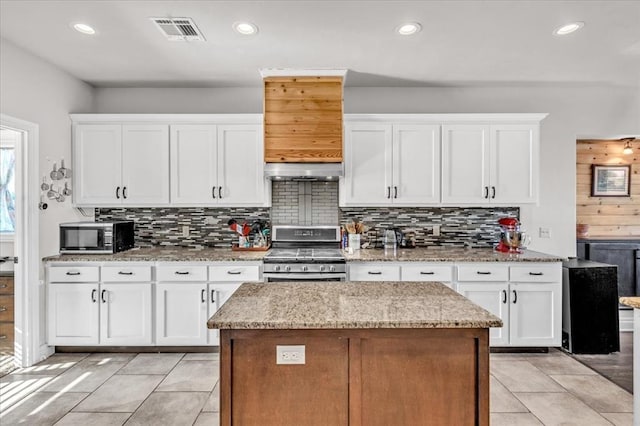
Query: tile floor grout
536	389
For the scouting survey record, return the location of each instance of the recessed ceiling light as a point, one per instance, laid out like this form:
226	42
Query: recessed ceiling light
409	28
84	28
569	28
245	28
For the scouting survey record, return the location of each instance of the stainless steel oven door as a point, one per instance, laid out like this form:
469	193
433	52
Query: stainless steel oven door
274	278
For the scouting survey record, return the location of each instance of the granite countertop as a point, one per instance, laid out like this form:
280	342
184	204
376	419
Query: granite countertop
448	254
168	254
634	302
339	305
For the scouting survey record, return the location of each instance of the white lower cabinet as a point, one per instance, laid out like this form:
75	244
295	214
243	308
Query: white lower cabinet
528	299
371	271
219	293
99	314
181	314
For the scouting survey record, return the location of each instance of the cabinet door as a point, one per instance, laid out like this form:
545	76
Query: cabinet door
367	179
416	164
97	166
73	314
145	164
536	314
240	165
194	160
181	314
514	163
125	314
218	294
494	298
465	164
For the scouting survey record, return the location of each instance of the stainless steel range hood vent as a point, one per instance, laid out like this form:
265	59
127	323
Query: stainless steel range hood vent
303	171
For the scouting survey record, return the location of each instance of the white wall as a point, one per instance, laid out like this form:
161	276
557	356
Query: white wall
573	111
32	89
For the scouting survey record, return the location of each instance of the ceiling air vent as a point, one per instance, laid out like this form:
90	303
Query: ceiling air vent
178	29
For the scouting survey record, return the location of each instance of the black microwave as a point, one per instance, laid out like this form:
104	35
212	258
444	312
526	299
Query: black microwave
96	237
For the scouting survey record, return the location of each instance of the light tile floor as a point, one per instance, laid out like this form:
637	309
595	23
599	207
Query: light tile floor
181	389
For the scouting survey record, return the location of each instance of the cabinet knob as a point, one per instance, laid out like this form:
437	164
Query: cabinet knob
2	309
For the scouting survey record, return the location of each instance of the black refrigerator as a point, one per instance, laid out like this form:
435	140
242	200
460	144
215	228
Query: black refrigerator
589	307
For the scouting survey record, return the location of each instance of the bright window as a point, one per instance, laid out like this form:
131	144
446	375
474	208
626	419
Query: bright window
7	190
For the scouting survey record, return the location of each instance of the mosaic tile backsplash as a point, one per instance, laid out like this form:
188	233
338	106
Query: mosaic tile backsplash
163	226
313	203
459	226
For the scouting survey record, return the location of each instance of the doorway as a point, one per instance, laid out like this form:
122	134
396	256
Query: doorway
20	286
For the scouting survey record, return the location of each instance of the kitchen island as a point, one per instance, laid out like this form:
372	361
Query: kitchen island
353	353
634	302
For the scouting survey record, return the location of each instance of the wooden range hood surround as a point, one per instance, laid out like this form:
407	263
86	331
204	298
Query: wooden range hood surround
303	119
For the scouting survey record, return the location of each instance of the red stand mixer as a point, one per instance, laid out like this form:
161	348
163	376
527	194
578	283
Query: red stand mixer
512	239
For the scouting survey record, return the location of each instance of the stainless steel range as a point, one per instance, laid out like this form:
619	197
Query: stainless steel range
305	253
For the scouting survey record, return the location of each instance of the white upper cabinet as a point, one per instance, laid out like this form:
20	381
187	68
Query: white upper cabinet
121	164
156	160
391	164
495	163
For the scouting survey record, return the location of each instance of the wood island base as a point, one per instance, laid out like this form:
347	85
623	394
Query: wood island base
413	376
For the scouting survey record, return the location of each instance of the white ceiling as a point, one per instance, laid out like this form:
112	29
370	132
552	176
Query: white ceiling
462	42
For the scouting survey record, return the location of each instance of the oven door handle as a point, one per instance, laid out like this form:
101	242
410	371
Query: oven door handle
342	276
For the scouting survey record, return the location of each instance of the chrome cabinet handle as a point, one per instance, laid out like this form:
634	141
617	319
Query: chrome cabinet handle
504	296
102	293
182	272
118	193
427	273
124	192
234	272
536	273
483	272
73	273
213	296
493	192
2	309
515	297
219	192
395	192
202	293
374	272
93	295
213	192
486	192
388	192
124	273
3	336
3	286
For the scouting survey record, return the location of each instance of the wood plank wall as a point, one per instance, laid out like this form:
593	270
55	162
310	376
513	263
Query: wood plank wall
303	119
607	216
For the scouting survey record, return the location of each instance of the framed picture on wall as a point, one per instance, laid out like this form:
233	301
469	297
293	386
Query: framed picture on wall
610	181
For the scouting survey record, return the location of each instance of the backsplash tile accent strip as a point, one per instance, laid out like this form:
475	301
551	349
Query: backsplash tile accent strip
163	226
459	226
304	203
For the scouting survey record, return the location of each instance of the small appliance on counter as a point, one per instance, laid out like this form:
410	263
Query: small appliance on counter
512	238
96	237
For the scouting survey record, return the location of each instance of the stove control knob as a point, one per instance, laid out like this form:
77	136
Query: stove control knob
305	268
321	268
332	269
287	268
276	268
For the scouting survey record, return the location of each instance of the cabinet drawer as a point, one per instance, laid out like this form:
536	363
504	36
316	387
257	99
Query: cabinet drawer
181	273
374	273
426	272
6	285
234	273
483	272
536	273
73	274
126	273
6	308
7	331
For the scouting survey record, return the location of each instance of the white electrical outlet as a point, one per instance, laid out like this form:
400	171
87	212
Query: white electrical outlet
185	230
544	232
290	354
436	230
